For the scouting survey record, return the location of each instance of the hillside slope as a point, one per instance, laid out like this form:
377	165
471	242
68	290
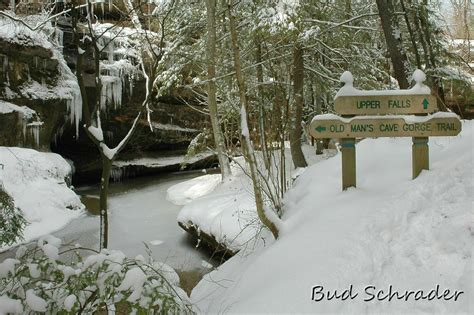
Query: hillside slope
390	230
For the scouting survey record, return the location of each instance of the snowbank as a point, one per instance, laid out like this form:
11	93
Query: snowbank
227	213
390	230
184	193
36	182
224	212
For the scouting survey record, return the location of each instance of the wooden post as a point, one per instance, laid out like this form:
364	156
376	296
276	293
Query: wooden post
319	146
348	163
420	155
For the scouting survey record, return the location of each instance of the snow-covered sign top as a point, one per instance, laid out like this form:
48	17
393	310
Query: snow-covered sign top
349	90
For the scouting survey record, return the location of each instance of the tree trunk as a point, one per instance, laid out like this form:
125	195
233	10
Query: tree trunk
104	190
393	38
212	90
246	144
297	112
426	32
412	35
261	110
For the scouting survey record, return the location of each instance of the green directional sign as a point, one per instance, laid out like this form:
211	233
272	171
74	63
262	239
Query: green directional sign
385	104
440	124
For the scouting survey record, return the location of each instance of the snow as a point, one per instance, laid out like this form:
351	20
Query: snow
96	133
37	183
419	76
184	193
163	161
108	152
244	127
172	127
228	211
167	272
34	271
50	251
133	280
390	230
35	302
349	90
156	242
7	267
347	78
69	302
16	33
10	306
409	119
6	108
207	265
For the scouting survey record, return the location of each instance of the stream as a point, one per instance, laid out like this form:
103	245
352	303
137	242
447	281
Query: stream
140	213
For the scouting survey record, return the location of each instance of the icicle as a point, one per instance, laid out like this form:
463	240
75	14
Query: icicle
5	69
116	174
34	128
103	96
130	82
35	59
110	5
59	38
110	53
74	108
58	135
24	122
5	63
111	92
77	107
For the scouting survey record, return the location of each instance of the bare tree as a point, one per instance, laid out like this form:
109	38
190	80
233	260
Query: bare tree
212	90
297	108
266	216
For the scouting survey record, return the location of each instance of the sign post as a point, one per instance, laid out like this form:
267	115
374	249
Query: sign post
420	156
384	114
348	152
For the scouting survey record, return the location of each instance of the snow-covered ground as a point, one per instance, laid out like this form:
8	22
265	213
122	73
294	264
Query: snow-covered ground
163	161
36	182
389	231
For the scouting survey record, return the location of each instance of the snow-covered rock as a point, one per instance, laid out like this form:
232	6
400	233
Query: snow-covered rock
223	215
37	182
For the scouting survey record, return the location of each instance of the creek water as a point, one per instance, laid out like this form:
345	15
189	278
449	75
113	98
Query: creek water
140	214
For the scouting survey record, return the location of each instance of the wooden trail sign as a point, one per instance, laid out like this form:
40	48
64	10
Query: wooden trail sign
385	104
417	100
445	124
